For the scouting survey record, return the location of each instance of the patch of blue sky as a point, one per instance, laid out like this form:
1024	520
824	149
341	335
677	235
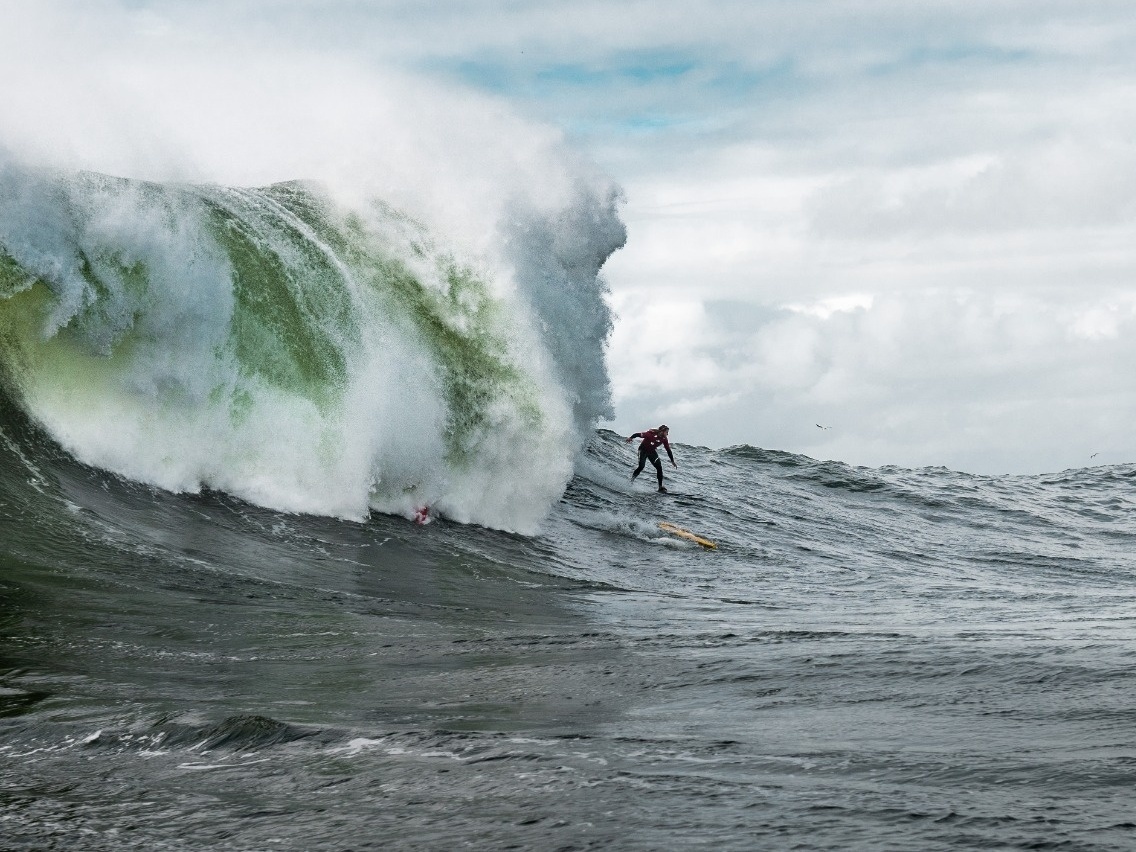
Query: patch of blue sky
634	94
640	125
518	77
922	58
573	74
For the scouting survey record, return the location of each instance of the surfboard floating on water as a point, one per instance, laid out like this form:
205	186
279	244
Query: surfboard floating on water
688	535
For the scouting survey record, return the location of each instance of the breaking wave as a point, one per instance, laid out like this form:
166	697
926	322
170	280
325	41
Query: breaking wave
304	351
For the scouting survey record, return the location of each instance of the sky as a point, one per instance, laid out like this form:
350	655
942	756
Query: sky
877	231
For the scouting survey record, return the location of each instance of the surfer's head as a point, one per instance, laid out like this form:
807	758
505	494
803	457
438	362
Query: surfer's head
664	428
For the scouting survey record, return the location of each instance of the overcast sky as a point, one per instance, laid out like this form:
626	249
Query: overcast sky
912	222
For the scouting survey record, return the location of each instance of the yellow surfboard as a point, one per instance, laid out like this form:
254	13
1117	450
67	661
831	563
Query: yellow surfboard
688	535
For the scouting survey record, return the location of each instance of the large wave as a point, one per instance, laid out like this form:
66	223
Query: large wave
304	350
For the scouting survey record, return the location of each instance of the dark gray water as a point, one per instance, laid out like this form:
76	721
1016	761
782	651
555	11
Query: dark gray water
872	659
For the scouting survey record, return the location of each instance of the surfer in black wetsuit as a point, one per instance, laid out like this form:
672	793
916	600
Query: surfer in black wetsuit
651	439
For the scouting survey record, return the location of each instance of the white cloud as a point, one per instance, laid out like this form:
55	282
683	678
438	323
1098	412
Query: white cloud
825	308
970	380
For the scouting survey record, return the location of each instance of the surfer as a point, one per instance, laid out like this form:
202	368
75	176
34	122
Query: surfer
651	439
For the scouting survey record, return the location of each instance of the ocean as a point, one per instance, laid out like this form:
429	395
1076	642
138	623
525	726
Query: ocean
221	627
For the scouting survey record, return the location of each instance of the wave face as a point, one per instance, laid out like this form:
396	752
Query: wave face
304	353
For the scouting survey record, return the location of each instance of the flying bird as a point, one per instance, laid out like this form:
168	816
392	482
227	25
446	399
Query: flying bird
823	427
1094	455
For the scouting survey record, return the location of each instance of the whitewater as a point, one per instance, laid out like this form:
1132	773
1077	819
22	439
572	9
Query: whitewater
303	355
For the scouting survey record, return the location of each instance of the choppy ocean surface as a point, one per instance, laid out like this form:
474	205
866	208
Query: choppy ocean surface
872	659
220	408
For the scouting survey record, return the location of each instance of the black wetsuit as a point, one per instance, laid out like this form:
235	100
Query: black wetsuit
646	453
650	439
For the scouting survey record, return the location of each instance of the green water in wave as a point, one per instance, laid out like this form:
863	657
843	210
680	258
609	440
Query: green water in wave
461	322
304	276
293	315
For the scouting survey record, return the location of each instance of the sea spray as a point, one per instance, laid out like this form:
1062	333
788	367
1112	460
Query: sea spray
558	259
300	351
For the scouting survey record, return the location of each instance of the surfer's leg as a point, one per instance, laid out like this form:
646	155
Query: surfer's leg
654	457
642	464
